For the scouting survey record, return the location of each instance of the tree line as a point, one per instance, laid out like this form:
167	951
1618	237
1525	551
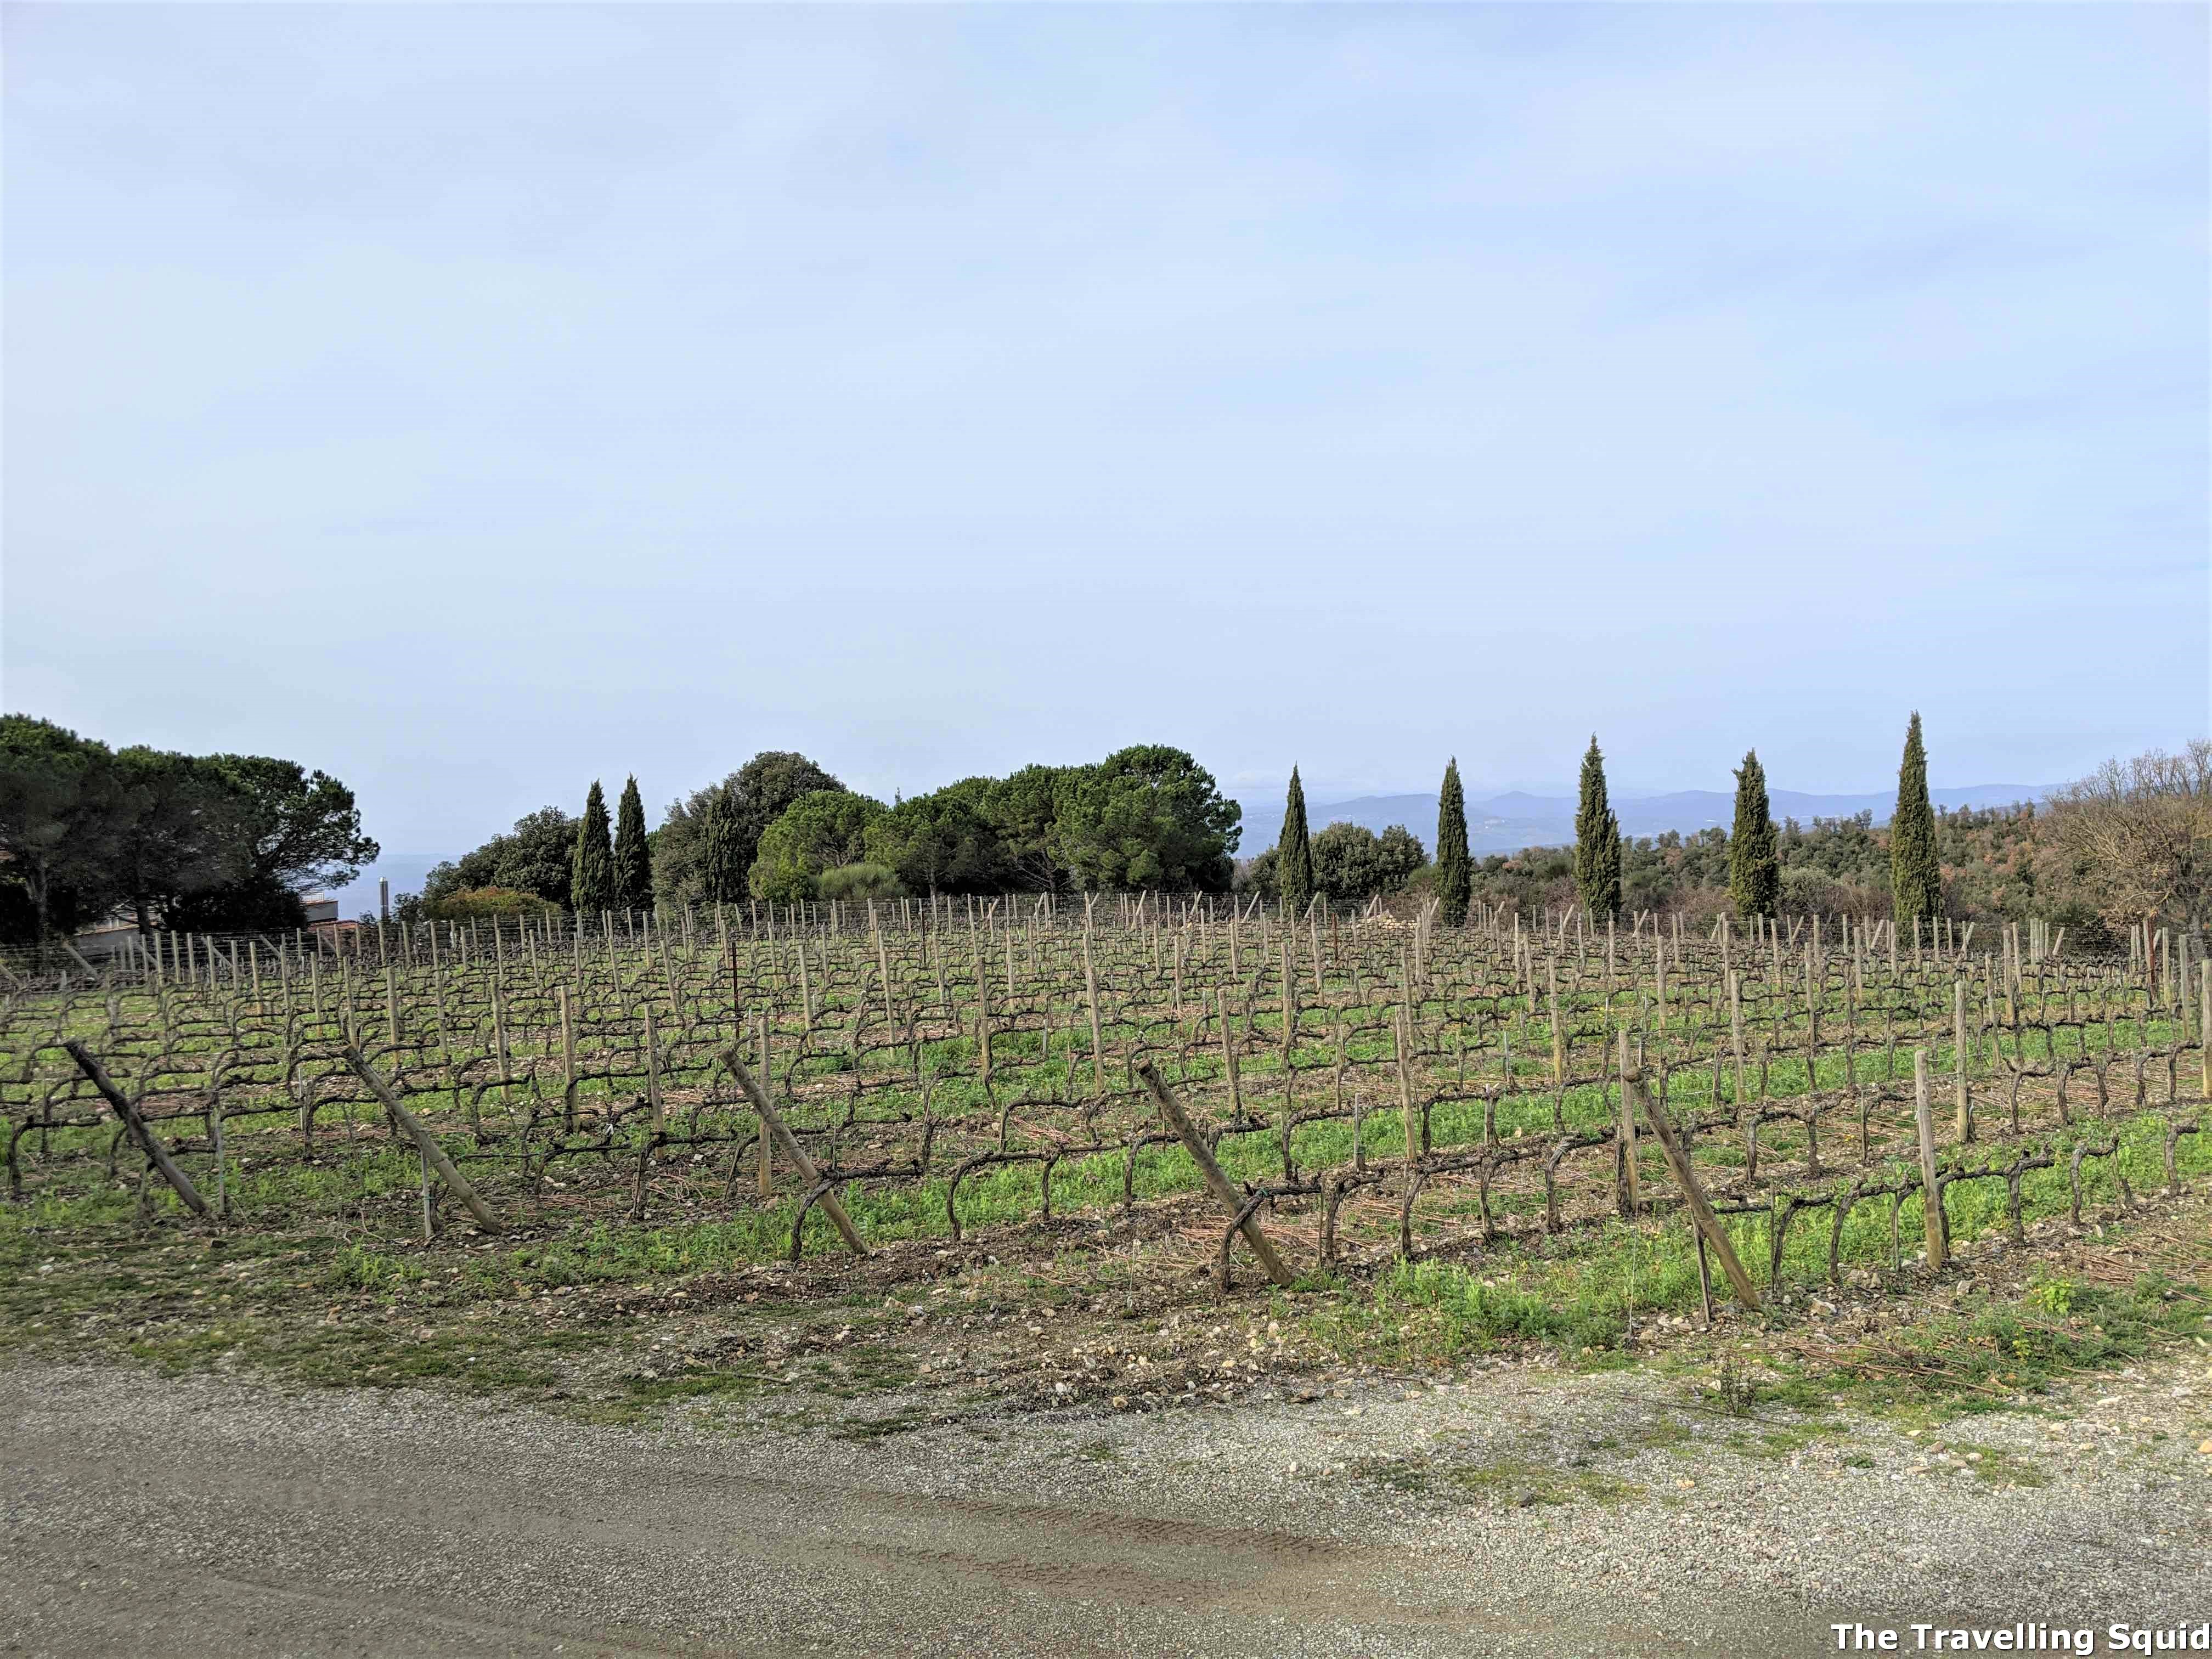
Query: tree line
203	843
2132	842
230	842
781	829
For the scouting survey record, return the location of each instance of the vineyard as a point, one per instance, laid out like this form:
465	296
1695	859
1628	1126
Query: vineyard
1350	1089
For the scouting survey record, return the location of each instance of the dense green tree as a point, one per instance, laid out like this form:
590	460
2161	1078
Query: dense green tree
1146	816
1023	810
722	878
1259	875
1352	864
754	797
591	878
632	855
1452	880
213	843
254	904
1149	816
60	814
1344	863
1916	866
1754	862
538	856
943	842
1597	841
818	832
1294	868
181	833
1399	856
302	829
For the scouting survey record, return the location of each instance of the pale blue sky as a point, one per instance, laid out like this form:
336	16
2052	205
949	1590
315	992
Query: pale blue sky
476	401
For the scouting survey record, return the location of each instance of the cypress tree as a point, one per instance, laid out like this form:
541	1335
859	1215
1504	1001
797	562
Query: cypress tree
721	878
1915	868
633	857
1452	868
1294	866
1754	861
592	874
1597	841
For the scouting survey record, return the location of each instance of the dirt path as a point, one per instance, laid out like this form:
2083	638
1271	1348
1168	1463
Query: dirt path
1519	1513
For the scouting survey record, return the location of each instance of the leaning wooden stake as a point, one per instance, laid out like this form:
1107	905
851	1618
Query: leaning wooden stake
139	1129
433	1153
1216	1183
1693	1195
794	1153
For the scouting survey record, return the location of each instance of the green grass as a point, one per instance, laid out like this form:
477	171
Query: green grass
1985	1359
341	1228
1520	1482
1994	1466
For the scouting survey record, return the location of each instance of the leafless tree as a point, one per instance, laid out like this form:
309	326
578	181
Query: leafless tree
2137	837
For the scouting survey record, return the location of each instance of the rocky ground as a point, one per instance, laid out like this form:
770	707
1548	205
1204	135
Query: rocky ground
1514	1510
942	1451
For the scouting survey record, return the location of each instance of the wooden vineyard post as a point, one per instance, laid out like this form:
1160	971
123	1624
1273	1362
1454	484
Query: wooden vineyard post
655	1121
1629	1196
1708	1224
141	1131
884	964
1290	1031
1964	1129
1402	1034
794	1153
767	1148
1091	990
1735	1028
425	1142
1228	1056
1218	1184
1559	1031
499	1038
1931	1186
983	1025
2204	1036
569	1060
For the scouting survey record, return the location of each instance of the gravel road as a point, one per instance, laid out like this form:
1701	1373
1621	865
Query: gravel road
1517	1512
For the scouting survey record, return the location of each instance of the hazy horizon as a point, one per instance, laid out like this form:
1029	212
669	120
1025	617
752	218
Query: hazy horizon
472	402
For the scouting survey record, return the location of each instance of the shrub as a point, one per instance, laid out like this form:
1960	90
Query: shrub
860	881
475	903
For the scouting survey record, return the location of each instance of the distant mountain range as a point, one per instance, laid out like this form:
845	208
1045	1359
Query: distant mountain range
1508	823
